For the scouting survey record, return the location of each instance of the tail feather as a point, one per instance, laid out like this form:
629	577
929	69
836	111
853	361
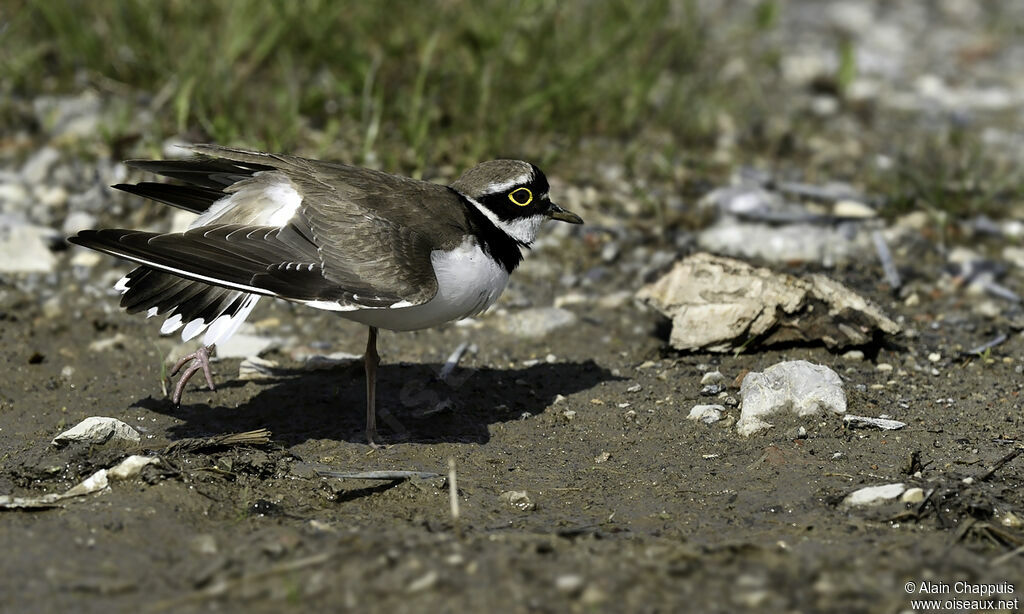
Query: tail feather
189	305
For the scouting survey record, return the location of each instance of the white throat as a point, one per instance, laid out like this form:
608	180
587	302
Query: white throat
523	229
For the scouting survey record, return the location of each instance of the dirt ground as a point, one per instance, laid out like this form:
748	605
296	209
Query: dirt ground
632	506
628	505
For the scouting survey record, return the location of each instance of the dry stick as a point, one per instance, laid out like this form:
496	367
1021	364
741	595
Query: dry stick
453	361
981	349
453	496
892	274
1002	558
999	463
378	475
252	438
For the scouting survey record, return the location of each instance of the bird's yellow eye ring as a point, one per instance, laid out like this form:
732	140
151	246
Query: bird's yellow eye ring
521	196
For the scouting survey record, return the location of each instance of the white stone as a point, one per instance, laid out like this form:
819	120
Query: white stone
99	430
797	386
913	495
24	249
131	466
874	495
708	414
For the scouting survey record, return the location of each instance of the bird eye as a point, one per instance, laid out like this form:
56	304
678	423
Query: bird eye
521	196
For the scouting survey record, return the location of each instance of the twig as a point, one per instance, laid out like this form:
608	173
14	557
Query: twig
453	496
1002	558
892	274
379	475
191	444
882	423
984	347
999	463
453	361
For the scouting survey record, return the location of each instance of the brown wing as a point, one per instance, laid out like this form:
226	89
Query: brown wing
374	232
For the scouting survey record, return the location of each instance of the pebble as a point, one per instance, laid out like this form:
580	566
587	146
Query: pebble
913	495
711	390
874	495
708	414
712	377
883	366
798	386
569	583
853	355
934	357
518	499
244	345
98	430
537	322
24	249
131	466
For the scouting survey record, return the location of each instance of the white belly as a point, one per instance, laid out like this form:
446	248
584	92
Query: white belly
468	282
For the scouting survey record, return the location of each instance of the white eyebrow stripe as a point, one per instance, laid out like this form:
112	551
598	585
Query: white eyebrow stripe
495	188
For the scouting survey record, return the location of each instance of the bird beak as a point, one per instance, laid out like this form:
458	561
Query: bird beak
560	214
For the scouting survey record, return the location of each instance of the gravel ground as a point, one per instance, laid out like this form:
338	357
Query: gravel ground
581	484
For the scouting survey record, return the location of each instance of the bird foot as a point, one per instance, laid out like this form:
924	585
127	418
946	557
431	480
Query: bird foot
196	361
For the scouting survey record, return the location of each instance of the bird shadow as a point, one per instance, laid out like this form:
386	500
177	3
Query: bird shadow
413	404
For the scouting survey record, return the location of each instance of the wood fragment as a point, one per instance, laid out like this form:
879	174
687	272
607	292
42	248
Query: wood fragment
249	438
453	361
892	274
882	423
999	464
378	475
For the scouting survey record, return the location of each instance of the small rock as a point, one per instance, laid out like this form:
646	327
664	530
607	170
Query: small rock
883	366
615	299
712	377
98	430
711	390
853	209
708	414
853	355
24	249
519	499
243	345
934	357
537	322
798	386
569	583
569	415
634	388
602	457
913	495
131	466
874	495
718	304
108	343
882	423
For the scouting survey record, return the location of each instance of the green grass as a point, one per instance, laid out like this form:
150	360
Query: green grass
409	82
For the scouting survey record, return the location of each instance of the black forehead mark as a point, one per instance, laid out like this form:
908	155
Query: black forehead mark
539	180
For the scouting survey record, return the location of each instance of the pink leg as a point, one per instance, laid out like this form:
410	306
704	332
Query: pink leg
196	361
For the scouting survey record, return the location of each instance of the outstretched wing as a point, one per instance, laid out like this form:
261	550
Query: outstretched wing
351	238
